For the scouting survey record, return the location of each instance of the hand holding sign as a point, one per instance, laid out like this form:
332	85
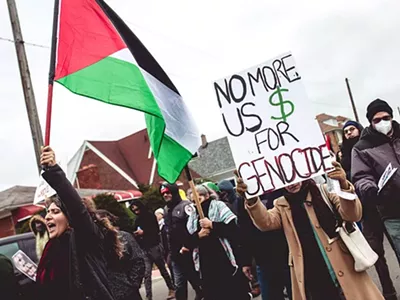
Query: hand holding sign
339	174
274	137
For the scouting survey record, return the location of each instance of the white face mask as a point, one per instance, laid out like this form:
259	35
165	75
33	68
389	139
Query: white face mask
384	127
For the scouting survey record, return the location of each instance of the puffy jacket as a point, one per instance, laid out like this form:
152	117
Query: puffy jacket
371	156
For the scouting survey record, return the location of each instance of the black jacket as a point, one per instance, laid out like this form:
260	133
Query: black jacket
371	156
267	248
347	147
127	274
147	221
87	236
177	214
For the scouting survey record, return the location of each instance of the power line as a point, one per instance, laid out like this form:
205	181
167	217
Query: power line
26	43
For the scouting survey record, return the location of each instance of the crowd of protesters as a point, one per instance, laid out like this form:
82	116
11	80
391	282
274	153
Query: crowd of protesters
284	244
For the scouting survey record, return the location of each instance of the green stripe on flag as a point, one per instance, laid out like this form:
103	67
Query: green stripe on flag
113	81
121	83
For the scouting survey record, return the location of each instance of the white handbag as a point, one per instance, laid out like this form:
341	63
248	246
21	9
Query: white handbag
352	237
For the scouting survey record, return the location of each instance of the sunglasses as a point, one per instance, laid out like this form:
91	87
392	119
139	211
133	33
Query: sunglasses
385	118
350	130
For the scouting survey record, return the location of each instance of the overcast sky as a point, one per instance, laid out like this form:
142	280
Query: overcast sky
197	43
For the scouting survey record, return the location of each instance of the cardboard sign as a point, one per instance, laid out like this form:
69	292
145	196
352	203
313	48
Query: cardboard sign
43	191
272	131
25	265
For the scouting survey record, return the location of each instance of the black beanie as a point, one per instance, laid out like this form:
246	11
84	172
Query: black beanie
376	106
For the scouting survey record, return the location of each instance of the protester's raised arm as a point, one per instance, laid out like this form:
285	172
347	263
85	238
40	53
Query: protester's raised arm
80	219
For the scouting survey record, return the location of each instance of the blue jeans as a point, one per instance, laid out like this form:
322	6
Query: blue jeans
393	230
273	280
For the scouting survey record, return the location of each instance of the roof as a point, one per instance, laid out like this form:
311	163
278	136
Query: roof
213	159
131	155
328	128
16	196
19	196
324	117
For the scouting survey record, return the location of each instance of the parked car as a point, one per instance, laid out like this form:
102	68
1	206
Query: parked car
26	243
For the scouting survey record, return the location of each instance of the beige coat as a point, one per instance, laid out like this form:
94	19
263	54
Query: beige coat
355	286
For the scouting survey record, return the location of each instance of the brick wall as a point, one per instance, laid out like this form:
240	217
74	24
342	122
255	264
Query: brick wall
106	176
6	227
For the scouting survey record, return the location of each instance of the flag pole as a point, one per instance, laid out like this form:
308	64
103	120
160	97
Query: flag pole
52	72
194	192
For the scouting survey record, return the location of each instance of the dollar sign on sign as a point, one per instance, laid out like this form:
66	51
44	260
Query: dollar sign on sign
280	102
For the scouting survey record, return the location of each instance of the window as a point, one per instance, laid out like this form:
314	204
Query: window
9	249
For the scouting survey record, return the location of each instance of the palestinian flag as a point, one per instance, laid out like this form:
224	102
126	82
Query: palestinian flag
99	57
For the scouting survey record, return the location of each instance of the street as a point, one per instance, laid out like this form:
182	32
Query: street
160	289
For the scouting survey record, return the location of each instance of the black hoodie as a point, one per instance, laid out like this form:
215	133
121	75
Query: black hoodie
147	221
347	147
176	218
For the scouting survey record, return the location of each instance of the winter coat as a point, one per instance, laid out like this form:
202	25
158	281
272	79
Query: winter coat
127	274
267	248
371	156
346	148
355	286
87	241
8	282
176	217
41	237
147	221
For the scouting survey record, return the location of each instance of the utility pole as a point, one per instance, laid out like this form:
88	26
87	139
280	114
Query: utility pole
398	109
352	100
26	81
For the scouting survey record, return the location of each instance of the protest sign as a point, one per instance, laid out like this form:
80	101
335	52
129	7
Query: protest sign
43	191
25	265
272	131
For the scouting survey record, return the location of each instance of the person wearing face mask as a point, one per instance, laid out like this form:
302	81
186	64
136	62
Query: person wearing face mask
350	134
321	267
378	146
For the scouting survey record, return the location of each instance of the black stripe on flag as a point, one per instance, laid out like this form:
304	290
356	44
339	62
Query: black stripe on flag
142	56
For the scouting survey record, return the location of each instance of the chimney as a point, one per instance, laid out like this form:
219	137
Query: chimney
204	142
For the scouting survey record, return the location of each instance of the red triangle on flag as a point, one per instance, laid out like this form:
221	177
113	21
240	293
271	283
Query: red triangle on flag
86	35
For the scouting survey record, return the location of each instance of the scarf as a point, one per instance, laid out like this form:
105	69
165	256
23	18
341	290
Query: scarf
325	217
58	267
217	211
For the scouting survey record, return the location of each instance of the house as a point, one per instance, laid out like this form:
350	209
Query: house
332	128
16	204
214	160
117	165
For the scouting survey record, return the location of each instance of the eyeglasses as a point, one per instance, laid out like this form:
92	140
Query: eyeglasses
385	118
349	130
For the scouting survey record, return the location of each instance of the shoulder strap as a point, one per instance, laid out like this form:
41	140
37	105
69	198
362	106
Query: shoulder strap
329	203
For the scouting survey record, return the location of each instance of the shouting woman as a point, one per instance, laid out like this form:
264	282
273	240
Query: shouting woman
73	265
320	270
